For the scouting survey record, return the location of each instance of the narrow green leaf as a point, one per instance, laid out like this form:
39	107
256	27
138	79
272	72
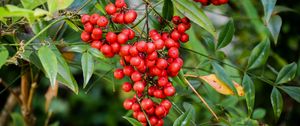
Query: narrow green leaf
259	113
298	68
17	119
3	55
279	9
259	55
292	91
249	89
49	63
77	48
72	25
221	74
287	73
100	7
274	27
168	10
226	35
268	8
87	67
195	14
184	119
31	4
132	121
55	5
40	12
187	106
277	102
96	53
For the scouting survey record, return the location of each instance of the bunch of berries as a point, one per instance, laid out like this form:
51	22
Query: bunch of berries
148	63
214	2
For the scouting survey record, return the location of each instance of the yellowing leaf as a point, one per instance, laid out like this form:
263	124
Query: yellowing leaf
220	86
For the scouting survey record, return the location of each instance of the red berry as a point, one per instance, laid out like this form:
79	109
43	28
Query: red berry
165	36
110	9
147	103
160	122
124	51
136	107
118	74
141	46
173	52
176	20
169	43
88	27
111	37
96	44
102	21
85	36
153	32
159	93
178	60
174	67
120	18
184	38
169	91
135	61
133	51
153	120
106	49
150	47
128	70
126	86
152	56
130	33
136	76
166	104
130	16
162	81
115	47
94	18
160	111
175	35
139	86
150	63
120	3
141	117
151	90
127	104
97	32
161	63
122	38
155	71
181	28
185	20
85	18
159	44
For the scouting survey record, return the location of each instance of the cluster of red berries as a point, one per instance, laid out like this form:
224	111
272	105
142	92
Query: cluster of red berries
148	63
214	2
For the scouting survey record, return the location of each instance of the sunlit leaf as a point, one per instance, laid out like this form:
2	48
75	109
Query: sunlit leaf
132	121
55	5
220	86
292	91
72	25
195	14
277	102
226	35
31	4
221	74
3	55
87	64
49	63
259	54
274	27
287	73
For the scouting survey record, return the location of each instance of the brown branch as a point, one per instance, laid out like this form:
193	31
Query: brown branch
8	107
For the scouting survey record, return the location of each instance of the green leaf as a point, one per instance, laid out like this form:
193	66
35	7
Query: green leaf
268	8
55	5
96	53
259	55
221	74
3	55
168	10
292	91
184	119
132	121
277	102
187	106
72	25
17	119
77	48
249	89
195	14
40	12
279	9
274	27
100	8
49	63
14	11
31	4
259	113
287	73
87	67
226	35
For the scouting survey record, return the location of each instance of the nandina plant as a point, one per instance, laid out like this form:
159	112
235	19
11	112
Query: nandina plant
153	63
